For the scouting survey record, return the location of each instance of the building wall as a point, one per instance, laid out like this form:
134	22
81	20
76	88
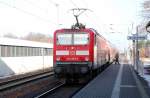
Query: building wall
19	65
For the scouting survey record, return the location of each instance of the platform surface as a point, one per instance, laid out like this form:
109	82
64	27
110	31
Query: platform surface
117	81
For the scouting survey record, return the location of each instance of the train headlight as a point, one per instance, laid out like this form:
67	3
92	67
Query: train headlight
58	59
86	58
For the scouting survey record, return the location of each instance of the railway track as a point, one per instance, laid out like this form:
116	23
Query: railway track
20	81
43	95
61	90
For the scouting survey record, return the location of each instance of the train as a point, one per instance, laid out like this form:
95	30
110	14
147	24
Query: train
79	53
21	56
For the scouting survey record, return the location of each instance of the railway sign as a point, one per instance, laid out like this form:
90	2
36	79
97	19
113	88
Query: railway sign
135	37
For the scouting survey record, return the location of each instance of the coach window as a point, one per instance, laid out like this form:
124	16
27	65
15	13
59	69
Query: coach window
64	39
95	39
81	39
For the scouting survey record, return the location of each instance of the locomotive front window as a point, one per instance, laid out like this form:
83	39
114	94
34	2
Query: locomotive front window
64	39
81	39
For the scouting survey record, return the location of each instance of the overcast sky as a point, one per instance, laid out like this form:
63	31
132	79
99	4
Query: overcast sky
20	17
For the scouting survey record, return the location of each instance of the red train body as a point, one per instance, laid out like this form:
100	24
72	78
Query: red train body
78	52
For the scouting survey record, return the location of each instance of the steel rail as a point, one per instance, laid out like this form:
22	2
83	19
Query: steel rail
18	82
49	91
23	77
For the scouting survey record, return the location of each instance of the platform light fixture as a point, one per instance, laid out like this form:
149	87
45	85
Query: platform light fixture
148	27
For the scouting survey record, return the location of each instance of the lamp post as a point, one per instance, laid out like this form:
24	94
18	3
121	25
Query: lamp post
137	51
57	6
148	27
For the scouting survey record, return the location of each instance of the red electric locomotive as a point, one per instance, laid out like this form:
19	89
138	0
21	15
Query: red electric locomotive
80	52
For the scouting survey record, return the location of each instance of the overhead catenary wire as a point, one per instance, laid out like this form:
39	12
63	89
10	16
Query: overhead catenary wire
74	4
85	3
26	12
35	5
57	7
52	2
86	14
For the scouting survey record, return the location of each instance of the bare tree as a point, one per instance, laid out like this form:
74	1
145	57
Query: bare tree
38	37
10	35
146	9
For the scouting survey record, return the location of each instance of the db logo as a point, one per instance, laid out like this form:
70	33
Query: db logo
72	52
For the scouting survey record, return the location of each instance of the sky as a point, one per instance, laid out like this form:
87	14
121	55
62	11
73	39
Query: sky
111	18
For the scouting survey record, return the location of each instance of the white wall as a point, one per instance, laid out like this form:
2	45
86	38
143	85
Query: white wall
20	65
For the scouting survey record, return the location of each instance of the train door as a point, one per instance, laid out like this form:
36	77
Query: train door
95	50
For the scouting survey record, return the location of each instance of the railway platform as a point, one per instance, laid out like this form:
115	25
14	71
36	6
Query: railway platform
117	81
